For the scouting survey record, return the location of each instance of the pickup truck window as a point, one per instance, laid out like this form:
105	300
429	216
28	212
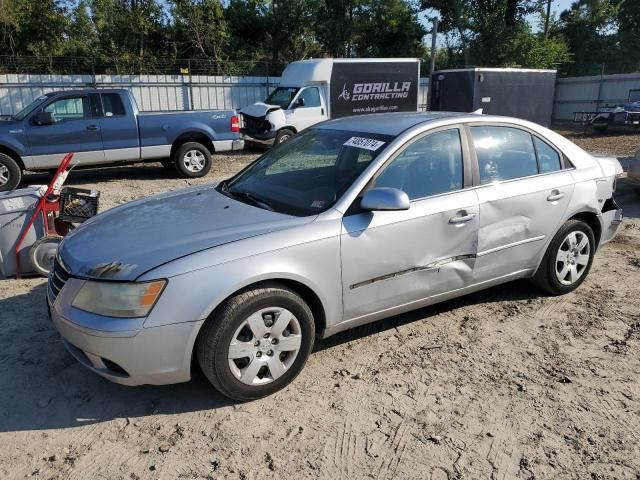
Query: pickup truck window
30	108
70	108
282	96
112	105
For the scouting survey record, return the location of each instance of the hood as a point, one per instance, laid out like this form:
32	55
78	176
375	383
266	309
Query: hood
258	109
127	241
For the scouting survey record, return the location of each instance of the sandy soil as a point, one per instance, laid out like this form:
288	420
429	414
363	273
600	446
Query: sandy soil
507	383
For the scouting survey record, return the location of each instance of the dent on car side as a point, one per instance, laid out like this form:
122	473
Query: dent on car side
318	254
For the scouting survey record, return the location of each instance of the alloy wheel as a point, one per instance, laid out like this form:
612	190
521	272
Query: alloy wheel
194	161
572	258
4	175
264	346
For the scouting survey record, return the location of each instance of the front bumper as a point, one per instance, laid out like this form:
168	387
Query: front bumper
123	350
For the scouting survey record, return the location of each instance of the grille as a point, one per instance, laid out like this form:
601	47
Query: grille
57	279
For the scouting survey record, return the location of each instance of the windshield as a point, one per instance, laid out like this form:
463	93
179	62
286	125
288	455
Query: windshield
282	96
307	174
30	108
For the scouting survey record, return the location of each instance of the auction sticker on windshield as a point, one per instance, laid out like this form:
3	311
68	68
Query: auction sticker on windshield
366	143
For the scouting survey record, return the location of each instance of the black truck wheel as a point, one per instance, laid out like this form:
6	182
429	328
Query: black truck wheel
284	135
192	160
10	173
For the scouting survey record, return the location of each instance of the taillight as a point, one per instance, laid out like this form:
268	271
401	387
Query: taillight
235	124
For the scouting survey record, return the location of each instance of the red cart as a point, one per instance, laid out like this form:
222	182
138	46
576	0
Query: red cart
61	209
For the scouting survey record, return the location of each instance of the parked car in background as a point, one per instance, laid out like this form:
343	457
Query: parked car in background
104	126
633	172
312	91
349	222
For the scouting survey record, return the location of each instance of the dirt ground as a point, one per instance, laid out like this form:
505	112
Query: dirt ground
506	383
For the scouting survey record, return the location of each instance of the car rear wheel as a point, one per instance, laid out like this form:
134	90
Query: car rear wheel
192	160
257	342
568	259
10	173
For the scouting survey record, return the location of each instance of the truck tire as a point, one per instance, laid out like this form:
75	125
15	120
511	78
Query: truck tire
192	160
10	173
284	135
257	342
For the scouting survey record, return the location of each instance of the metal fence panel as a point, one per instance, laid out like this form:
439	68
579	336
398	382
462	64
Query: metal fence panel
588	94
154	92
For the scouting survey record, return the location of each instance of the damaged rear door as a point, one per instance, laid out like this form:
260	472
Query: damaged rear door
524	190
393	258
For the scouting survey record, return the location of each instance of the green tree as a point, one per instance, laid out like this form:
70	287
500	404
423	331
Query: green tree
388	28
201	29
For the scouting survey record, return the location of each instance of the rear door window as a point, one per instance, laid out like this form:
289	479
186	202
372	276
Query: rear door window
504	153
112	105
548	158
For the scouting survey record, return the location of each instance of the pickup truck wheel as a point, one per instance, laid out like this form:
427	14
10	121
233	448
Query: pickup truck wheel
257	342
284	135
192	160
10	173
568	259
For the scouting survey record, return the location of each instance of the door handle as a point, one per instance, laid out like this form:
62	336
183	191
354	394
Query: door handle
92	128
555	195
462	218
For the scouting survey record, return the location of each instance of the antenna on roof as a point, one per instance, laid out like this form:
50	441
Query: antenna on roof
477	112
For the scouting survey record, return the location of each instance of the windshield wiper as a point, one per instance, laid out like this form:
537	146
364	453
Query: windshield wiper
256	200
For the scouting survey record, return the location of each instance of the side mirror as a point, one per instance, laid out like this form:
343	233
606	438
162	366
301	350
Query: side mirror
384	198
299	103
44	118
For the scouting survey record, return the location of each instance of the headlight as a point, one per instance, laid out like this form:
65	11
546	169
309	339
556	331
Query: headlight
113	299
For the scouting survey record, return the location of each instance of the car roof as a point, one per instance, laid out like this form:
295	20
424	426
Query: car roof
387	123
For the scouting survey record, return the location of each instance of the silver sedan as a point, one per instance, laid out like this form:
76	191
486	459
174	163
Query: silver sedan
347	223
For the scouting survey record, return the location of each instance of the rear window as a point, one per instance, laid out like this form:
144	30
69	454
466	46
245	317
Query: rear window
112	105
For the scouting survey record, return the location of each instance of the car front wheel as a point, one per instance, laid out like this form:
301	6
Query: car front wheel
568	259
257	342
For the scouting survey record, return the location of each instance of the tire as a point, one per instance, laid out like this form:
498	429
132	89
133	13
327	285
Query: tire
43	252
10	173
192	160
601	128
284	135
271	362
552	276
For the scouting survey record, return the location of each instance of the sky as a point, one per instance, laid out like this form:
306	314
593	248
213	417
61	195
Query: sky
557	6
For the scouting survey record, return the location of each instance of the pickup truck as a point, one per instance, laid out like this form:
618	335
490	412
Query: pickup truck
104	126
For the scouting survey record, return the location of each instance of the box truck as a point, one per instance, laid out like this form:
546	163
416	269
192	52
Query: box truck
514	92
311	91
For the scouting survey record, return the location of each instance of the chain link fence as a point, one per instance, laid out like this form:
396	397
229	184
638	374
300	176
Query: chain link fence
136	66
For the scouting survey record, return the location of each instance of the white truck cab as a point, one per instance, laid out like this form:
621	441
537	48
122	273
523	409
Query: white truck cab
312	91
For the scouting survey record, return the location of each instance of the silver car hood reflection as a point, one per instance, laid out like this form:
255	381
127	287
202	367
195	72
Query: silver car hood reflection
127	241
